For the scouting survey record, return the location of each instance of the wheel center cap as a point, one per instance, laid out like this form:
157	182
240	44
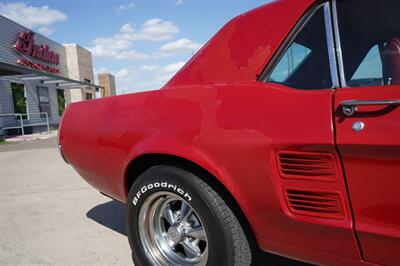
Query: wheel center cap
175	234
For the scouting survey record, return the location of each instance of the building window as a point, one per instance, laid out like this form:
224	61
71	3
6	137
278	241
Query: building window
89	96
19	98
61	101
44	101
87	81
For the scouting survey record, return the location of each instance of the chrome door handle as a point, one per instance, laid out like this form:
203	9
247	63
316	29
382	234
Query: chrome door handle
350	107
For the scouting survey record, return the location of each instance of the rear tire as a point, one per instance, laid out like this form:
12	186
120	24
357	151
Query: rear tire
175	218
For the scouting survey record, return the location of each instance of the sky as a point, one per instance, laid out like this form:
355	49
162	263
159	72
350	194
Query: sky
142	43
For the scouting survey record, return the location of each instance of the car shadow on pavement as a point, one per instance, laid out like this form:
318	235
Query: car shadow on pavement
112	215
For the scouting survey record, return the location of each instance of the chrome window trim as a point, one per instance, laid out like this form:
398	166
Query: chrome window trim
339	54
330	39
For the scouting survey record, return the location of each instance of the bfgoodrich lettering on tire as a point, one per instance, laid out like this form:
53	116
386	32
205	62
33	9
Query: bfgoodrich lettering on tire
175	218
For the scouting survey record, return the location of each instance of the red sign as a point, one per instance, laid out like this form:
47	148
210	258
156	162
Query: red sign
38	66
26	44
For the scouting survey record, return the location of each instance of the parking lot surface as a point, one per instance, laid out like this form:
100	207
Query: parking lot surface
50	216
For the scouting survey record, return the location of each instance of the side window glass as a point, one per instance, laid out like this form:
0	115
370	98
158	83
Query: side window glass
294	56
369	72
370	41
305	63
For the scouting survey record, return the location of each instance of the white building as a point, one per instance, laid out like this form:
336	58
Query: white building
38	78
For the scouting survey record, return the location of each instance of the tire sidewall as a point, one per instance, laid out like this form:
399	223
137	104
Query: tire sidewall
179	182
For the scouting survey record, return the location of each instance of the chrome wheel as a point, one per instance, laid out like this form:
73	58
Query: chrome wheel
171	232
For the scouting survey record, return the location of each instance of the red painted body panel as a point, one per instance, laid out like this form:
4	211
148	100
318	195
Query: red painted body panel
231	131
241	49
215	114
371	160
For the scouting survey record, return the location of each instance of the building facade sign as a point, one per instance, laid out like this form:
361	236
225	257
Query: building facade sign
25	45
20	46
35	101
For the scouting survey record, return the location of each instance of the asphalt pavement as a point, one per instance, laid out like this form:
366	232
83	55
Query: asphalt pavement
51	216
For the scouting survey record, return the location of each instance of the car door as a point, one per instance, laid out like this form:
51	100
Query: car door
294	108
367	122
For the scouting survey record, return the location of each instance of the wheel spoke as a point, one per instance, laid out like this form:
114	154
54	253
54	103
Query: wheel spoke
168	215
186	211
197	232
171	230
191	249
170	243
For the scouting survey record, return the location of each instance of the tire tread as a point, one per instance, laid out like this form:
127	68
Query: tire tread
242	252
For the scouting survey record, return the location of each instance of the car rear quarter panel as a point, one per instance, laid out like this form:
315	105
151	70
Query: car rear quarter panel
216	115
231	130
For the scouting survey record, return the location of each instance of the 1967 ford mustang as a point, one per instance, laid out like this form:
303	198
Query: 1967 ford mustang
281	134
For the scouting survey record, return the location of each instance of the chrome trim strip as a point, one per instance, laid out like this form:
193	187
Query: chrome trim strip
61	153
331	46
349	107
339	54
370	102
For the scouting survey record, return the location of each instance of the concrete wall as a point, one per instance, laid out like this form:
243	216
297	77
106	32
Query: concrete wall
85	64
80	67
107	81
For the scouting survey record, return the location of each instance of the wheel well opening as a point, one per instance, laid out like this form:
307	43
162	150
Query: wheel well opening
144	162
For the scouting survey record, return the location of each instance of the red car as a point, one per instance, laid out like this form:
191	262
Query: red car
282	133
